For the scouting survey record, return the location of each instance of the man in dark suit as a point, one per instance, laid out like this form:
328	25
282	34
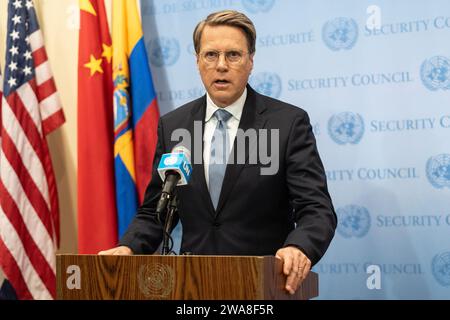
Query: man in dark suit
235	209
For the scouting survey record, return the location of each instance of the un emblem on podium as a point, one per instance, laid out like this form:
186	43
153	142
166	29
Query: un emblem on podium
164	51
346	127
440	266
340	33
354	221
266	83
435	73
438	171
156	280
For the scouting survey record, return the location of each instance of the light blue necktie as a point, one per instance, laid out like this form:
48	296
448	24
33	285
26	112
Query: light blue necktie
219	153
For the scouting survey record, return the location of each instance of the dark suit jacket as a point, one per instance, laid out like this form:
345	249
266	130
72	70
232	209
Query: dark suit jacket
257	214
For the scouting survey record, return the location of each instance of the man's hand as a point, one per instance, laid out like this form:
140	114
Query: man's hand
117	251
296	267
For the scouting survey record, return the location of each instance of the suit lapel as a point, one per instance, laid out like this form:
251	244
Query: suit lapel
251	118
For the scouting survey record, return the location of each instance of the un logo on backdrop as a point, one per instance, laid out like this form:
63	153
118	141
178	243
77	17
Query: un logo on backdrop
440	267
255	6
438	171
266	83
164	51
340	33
353	221
346	127
435	73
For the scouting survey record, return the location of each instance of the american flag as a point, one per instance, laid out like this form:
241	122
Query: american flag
29	217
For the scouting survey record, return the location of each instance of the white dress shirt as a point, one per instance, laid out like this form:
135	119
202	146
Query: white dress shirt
211	122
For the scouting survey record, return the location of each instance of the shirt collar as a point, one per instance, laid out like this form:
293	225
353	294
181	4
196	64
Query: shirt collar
235	108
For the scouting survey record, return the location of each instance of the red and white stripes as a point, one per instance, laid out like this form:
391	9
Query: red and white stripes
29	222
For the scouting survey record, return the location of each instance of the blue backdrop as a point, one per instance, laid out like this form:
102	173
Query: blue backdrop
374	77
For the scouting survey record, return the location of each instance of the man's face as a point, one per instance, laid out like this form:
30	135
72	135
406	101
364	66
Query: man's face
224	80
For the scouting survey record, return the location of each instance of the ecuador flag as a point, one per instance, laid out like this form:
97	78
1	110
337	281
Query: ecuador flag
135	111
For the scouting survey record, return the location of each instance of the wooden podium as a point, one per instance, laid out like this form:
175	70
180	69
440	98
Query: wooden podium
155	277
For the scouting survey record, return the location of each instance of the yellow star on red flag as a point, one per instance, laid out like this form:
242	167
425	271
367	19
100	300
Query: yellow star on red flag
94	65
87	6
107	52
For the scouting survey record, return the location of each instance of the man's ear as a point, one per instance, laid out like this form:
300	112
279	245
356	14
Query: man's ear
197	60
251	60
252	56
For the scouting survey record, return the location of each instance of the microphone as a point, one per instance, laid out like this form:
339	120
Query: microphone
175	169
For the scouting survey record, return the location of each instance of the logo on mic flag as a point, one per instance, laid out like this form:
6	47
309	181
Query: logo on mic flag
177	162
170	161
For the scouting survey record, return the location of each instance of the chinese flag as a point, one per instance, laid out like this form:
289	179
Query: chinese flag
97	215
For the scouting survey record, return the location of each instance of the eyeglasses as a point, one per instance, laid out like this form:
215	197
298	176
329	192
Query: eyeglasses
232	56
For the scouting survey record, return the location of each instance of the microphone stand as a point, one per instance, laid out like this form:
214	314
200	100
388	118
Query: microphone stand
171	210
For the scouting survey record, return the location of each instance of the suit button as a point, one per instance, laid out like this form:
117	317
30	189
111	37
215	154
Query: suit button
216	224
